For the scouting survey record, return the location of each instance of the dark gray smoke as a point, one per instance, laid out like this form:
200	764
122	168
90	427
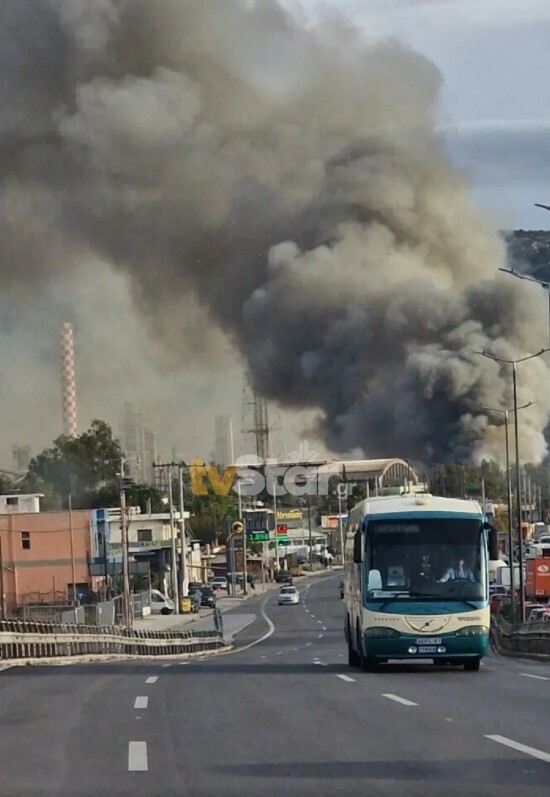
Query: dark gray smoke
287	181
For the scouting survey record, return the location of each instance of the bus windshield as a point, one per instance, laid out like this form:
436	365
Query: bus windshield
426	559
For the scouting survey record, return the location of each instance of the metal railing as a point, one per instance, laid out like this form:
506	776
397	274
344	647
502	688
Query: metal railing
104	613
27	640
526	638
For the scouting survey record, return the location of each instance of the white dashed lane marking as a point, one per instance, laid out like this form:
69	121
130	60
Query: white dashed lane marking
346	678
401	700
538	677
141	702
152	679
137	757
521	748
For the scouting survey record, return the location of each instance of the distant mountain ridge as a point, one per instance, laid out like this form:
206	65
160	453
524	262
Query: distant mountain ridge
529	252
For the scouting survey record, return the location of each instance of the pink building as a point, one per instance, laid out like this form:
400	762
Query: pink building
38	555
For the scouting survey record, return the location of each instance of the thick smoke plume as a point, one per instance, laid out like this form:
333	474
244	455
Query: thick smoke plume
289	182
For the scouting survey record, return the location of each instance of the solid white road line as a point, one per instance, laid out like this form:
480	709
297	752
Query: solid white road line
141	702
137	757
346	678
152	679
401	700
538	677
269	632
521	748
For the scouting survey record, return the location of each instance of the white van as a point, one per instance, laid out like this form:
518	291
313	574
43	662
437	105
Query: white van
160	604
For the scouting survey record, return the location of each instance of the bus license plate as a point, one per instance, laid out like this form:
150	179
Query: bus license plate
427	649
428	640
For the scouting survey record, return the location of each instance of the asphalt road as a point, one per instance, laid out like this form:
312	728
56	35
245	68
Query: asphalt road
285	716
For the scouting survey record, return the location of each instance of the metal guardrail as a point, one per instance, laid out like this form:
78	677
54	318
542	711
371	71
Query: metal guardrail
529	638
28	640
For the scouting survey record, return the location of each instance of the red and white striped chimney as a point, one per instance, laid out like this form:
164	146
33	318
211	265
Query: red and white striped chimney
68	381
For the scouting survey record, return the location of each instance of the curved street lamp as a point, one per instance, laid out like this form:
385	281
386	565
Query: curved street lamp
514	364
509	490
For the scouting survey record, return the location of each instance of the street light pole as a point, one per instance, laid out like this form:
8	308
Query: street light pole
310	529
508	491
514	364
340	522
518	491
542	283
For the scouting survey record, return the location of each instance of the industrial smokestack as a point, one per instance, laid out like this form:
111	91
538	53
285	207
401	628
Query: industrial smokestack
68	381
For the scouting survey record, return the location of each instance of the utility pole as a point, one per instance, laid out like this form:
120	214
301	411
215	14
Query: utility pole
245	571
71	534
310	530
127	608
174	569
2	593
183	562
276	527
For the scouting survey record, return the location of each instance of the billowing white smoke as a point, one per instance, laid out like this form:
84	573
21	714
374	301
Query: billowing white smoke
290	180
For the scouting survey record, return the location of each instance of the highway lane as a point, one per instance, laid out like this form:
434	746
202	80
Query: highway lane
283	716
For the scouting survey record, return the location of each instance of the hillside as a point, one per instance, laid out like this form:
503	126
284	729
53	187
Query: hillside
529	251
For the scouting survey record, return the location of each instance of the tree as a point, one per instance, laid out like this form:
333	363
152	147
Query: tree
81	466
7	487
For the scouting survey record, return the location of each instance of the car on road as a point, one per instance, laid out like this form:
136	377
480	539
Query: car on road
208	597
288	595
160	604
284	577
219	582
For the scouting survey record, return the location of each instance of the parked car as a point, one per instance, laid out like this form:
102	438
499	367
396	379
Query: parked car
284	577
219	582
208	597
288	595
160	604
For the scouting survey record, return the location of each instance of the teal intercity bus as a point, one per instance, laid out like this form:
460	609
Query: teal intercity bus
416	582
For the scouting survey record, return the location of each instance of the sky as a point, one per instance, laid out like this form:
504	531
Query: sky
494	59
495	62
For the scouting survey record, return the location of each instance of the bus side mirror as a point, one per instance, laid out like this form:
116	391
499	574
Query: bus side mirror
357	545
494	553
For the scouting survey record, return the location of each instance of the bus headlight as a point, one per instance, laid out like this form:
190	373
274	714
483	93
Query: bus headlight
380	632
473	630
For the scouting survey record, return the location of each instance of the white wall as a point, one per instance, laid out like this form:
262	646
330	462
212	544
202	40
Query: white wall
19	503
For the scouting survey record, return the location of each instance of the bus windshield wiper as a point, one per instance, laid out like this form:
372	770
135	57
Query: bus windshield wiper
393	597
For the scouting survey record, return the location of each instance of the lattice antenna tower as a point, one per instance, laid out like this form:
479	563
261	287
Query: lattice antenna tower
255	422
